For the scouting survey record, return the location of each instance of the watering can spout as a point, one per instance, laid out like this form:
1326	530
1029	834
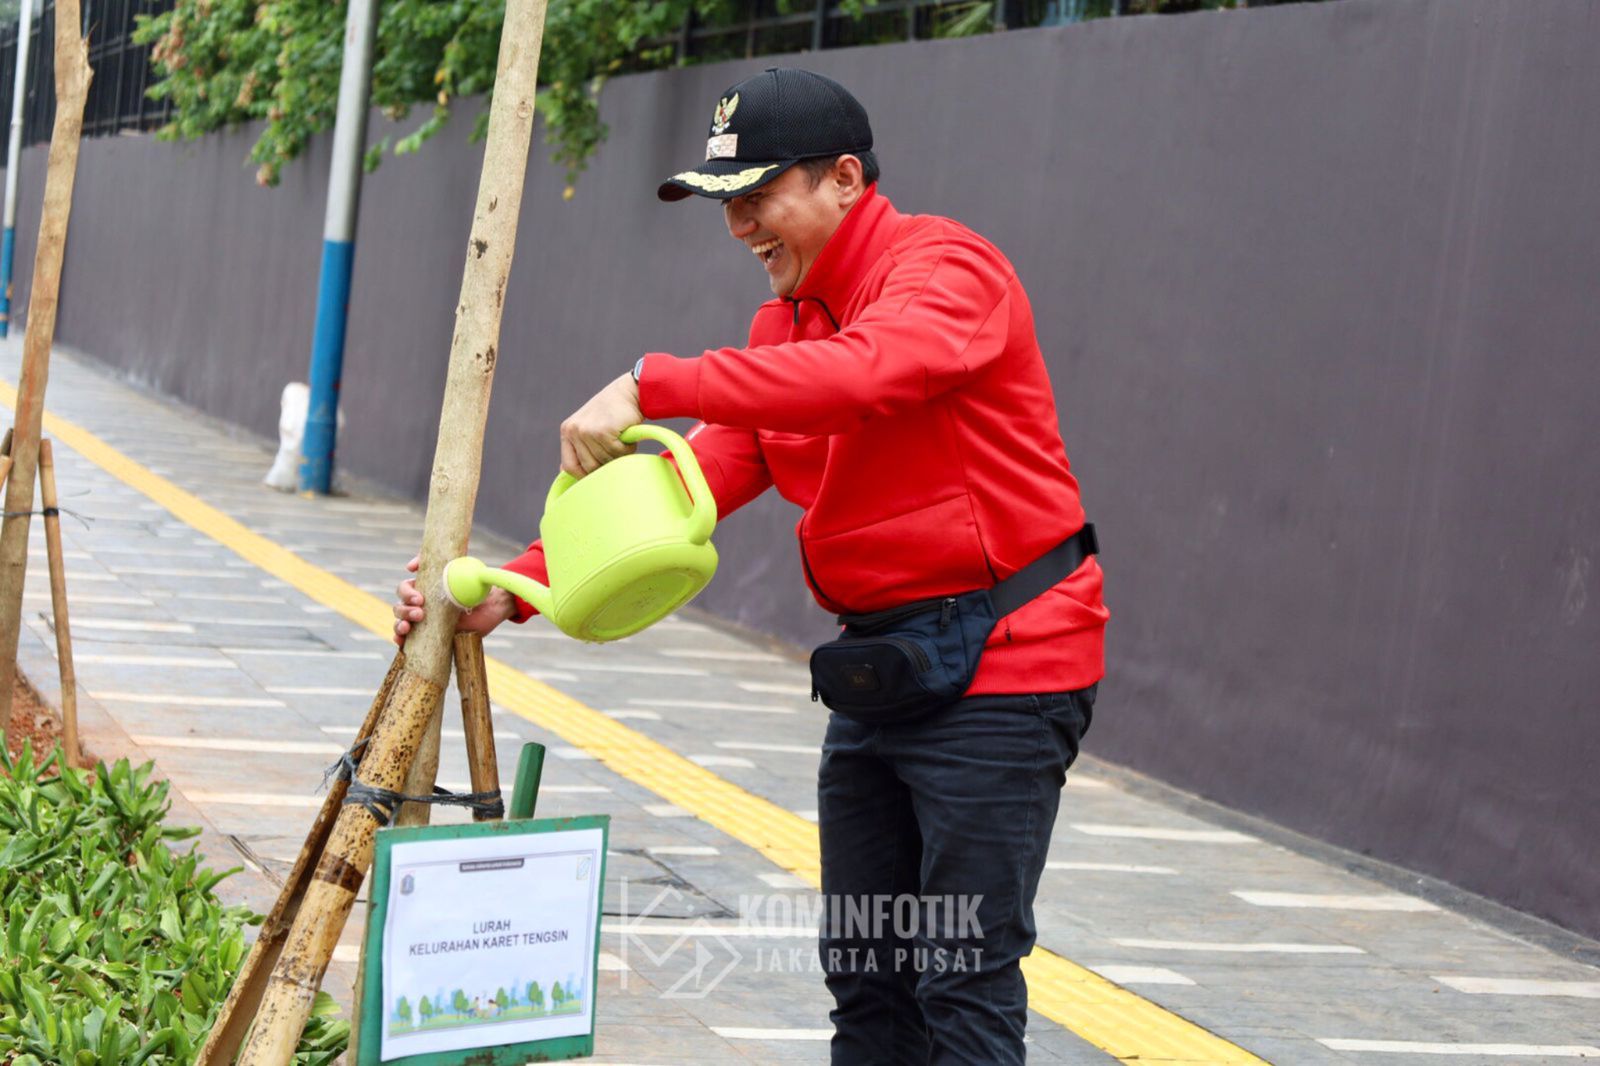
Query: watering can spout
467	582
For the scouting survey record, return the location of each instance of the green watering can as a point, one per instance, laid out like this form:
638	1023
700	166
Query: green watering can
625	546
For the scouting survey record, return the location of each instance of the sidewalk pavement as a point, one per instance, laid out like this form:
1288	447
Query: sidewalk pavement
206	643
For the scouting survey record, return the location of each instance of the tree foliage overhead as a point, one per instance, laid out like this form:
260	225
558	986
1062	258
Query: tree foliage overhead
226	62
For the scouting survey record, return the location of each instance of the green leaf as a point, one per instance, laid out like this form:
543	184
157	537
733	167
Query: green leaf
106	935
60	936
160	1039
14	925
194	993
33	995
112	941
93	1026
170	927
232	954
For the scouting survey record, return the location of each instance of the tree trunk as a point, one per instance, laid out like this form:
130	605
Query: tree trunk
72	89
58	605
451	497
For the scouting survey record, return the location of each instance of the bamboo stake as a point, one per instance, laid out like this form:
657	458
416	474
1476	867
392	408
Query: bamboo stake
72	89
452	494
423	775
424	772
472	679
58	603
233	1022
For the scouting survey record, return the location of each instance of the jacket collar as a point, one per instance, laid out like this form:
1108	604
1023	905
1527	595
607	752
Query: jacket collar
863	235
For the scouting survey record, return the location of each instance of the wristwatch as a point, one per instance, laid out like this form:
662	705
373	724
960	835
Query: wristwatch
638	369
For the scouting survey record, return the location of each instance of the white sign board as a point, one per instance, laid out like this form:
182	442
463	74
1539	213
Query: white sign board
490	940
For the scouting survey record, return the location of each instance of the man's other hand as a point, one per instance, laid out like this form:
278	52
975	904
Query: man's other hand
496	608
589	436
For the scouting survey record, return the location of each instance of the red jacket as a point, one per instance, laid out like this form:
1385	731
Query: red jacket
900	398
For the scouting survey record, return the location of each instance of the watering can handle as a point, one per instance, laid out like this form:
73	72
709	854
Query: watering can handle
704	517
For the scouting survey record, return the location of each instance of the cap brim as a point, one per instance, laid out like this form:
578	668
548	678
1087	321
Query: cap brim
721	179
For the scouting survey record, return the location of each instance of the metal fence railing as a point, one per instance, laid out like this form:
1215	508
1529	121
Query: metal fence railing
768	27
122	72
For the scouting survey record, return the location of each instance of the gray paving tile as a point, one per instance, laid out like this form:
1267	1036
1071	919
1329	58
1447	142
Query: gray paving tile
1274	1005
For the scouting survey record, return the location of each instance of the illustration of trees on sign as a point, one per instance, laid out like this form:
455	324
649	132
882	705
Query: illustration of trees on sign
402	1011
425	1010
557	996
460	1002
535	996
501	998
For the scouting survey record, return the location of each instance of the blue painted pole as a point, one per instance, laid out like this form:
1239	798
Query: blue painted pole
8	256
8	249
327	364
338	249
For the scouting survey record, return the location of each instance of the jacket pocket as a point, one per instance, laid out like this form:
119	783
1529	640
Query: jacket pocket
931	551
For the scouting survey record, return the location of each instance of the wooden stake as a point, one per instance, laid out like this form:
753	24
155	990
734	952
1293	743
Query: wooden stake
424	772
452	493
5	463
472	679
72	89
239	1010
423	775
58	604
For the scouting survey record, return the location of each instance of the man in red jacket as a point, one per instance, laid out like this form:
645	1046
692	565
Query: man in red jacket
895	390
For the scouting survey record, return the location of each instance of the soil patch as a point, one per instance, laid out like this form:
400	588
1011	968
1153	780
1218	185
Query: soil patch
31	720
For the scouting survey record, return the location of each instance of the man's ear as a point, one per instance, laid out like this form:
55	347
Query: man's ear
849	183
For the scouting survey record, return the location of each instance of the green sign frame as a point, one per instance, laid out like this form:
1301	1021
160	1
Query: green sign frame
371	992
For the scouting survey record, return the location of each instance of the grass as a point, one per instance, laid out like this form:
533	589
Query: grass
114	949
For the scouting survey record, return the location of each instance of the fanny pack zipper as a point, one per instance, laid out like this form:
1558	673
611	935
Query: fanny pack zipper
911	648
945	605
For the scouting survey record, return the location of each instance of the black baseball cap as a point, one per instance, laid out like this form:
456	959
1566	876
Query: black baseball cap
766	124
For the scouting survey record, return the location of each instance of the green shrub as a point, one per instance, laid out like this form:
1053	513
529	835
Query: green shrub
114	950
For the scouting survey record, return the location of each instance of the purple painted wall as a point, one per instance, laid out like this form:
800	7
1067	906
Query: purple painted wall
1318	289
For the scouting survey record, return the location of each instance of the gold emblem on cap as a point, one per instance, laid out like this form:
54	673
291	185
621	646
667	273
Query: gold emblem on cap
724	113
741	179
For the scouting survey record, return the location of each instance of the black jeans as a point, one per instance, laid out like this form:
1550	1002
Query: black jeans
955	806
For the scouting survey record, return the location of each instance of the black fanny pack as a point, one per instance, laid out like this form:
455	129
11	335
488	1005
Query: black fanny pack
893	665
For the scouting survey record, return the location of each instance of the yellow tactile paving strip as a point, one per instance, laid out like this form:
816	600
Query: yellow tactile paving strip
1125	1025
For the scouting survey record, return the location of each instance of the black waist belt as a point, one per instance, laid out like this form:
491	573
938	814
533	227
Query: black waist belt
1045	572
1032	581
895	665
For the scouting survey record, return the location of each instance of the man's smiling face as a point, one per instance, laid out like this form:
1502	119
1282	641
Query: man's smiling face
787	221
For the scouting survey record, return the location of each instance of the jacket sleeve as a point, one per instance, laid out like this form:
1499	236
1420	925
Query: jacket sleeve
939	320
735	470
